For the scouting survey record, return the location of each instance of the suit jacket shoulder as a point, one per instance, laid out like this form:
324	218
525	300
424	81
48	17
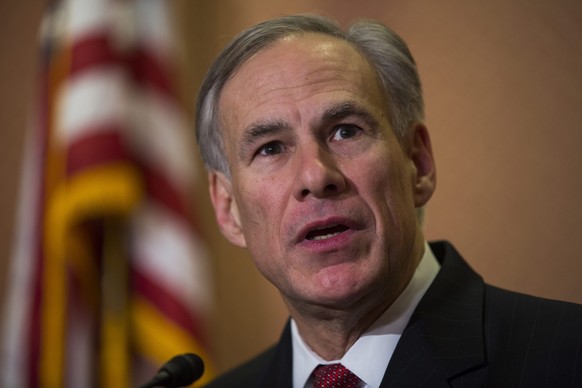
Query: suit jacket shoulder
532	341
271	368
469	334
247	374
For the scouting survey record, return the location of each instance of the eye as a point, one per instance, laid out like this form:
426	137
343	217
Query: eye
345	131
271	148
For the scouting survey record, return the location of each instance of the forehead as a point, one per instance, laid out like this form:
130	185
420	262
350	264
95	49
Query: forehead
300	70
300	58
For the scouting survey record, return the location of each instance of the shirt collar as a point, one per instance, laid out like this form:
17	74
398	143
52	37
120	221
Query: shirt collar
369	356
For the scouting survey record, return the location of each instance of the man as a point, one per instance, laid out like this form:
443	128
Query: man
320	164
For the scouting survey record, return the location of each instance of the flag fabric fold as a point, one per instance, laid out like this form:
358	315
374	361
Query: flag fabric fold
110	276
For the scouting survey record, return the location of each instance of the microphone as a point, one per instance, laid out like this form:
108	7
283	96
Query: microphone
180	371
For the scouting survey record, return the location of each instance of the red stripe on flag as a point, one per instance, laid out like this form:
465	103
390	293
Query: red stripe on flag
166	303
93	51
102	146
152	72
159	188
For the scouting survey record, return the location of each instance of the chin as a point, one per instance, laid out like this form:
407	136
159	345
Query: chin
340	296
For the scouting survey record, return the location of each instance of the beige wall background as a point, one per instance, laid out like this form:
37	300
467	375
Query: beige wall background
503	91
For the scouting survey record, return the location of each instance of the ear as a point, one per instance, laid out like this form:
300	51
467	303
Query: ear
421	155
225	208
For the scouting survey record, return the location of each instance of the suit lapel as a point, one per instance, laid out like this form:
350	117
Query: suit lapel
412	365
443	343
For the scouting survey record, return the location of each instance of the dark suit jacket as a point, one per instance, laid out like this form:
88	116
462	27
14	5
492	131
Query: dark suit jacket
463	333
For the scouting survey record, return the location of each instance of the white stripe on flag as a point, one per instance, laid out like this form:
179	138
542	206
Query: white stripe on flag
170	253
160	134
87	103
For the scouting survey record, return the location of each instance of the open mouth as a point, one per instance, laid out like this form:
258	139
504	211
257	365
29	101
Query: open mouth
324	233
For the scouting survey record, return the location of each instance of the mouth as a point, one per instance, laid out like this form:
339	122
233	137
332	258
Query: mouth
324	233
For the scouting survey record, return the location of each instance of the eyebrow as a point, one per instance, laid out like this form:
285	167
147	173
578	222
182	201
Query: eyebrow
260	130
349	109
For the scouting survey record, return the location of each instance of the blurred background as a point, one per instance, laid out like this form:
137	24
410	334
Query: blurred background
502	83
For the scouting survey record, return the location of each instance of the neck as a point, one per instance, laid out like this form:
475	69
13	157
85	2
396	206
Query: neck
330	333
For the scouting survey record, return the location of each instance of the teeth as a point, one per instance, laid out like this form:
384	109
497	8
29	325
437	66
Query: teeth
323	237
326	232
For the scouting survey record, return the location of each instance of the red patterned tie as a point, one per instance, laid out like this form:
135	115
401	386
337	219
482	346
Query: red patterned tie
334	376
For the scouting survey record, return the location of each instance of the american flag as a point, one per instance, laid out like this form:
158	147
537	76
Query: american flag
109	274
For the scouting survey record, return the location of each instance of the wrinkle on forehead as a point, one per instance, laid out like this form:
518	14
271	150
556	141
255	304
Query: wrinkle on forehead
324	58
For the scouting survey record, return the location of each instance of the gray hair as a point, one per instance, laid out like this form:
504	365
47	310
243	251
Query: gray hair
382	47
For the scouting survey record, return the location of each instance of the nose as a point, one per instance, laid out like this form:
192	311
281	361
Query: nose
317	174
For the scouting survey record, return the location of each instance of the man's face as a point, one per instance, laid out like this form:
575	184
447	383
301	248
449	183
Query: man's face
322	192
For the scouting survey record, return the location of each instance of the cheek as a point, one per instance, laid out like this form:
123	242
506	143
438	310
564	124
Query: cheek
261	218
390	196
262	205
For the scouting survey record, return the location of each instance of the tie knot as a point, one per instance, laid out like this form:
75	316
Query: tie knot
334	376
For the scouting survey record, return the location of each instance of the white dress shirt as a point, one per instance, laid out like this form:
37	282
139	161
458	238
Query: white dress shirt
369	356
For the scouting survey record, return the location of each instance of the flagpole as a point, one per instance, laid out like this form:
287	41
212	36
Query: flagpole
115	360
